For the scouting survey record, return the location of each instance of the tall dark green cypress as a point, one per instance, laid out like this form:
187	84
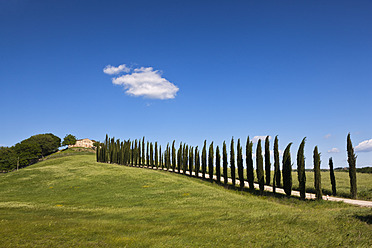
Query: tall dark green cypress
173	156
139	153
224	163
135	152
204	159
191	160
332	176
179	158
267	161
351	159
259	169
249	163
168	157
218	165
239	162
132	154
156	155
287	170
317	178
277	175
143	151
148	155
151	155
301	169
232	161
185	158
210	162
161	158
197	162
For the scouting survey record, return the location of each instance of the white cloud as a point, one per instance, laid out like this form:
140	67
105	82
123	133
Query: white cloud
327	136
262	138
143	81
334	150
364	146
111	70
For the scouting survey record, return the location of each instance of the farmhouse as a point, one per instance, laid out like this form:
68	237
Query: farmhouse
83	143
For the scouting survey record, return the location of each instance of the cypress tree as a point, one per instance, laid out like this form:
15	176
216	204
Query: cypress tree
287	170
239	161
139	153
332	176
151	155
232	161
351	159
185	158
143	151
204	159
249	163
267	161
301	169
224	163
218	165
179	158
277	179
197	162
148	155
135	152
132	155
161	158
173	156
259	169
317	179
191	160
97	153
156	155
169	157
210	162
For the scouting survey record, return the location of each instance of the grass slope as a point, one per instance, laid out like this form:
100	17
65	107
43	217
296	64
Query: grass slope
74	201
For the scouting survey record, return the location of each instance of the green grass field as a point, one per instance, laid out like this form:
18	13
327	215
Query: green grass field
74	201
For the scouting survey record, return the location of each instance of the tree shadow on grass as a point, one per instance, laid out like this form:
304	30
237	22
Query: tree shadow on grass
365	218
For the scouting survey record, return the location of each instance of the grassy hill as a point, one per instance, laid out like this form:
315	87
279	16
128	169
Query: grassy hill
74	201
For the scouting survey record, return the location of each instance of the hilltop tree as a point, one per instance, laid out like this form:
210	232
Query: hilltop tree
179	158
156	155
232	161
267	161
259	164
143	151
218	165
148	155
332	176
185	158
287	170
151	155
239	162
301	169
224	163
317	179
139	153
249	163
204	159
173	156
69	140
191	160
210	162
351	159
197	162
277	177
161	158
168	157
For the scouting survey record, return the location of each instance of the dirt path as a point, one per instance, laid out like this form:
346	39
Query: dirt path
361	203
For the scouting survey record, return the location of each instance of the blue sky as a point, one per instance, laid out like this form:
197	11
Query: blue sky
286	68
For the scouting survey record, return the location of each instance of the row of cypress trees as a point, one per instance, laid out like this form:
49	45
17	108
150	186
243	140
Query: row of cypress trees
187	160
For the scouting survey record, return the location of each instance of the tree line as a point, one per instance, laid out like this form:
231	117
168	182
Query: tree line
187	160
28	151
